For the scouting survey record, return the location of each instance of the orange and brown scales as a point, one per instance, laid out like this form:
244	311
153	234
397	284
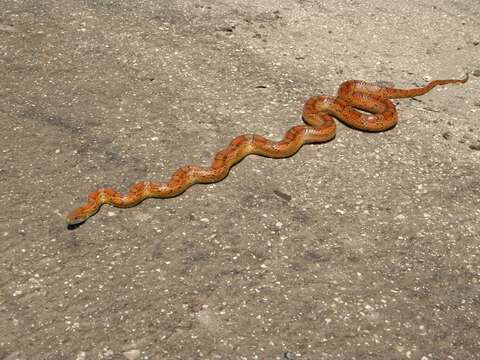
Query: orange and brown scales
317	114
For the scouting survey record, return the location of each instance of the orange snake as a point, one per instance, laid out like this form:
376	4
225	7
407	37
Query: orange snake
318	114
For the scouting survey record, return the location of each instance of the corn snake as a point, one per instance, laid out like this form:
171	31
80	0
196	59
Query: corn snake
318	114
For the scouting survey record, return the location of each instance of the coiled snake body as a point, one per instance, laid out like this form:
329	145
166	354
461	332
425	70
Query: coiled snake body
318	114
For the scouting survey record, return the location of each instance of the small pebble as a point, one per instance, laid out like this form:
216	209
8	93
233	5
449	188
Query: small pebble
133	354
8	28
282	195
82	355
400	217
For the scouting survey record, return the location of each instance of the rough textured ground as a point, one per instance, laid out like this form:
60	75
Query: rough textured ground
363	248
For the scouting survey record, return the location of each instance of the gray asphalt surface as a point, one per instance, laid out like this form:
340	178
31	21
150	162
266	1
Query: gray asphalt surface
366	247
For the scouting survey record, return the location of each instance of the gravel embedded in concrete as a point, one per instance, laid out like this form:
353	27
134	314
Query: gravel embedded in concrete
364	247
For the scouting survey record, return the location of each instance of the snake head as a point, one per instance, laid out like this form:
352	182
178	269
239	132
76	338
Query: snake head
74	218
80	215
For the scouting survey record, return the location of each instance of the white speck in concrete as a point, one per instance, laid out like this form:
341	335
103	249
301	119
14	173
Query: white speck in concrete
132	354
82	355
